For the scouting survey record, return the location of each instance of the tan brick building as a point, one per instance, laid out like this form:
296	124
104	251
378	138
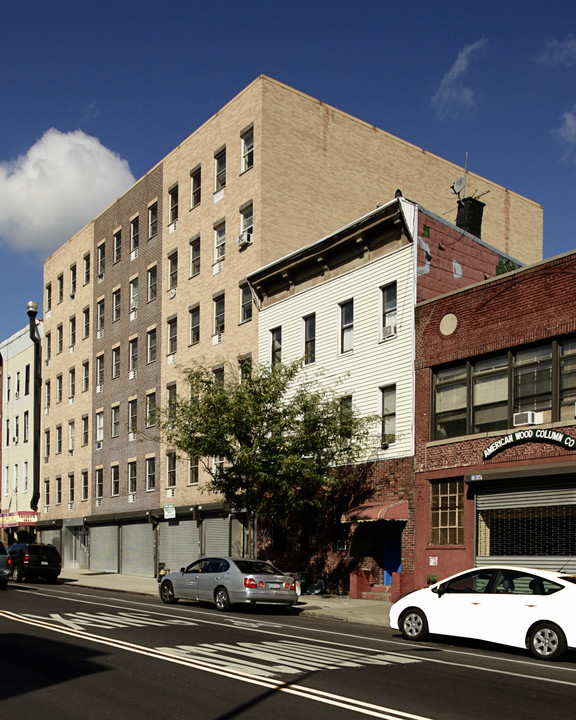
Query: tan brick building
157	280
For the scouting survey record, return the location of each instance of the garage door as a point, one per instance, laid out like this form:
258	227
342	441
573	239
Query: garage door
137	549
104	548
178	543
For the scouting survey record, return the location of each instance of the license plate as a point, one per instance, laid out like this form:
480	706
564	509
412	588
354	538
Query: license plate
43	562
274	586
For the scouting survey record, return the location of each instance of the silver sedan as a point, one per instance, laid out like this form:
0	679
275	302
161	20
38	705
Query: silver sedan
226	581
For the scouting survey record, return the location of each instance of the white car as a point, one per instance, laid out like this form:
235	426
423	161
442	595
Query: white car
515	606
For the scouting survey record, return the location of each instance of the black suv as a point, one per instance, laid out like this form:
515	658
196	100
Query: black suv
34	560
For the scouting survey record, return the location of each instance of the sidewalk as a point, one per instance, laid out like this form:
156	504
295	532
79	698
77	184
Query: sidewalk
331	607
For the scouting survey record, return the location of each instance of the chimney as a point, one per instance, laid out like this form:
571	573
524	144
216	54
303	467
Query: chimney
469	217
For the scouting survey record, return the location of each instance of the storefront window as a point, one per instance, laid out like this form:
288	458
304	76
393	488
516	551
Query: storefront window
447	512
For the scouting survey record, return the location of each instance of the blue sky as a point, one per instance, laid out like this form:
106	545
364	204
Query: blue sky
93	94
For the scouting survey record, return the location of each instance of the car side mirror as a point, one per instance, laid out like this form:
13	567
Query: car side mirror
183	570
439	591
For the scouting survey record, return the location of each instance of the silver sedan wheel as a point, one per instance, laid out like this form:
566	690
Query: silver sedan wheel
547	642
222	599
413	624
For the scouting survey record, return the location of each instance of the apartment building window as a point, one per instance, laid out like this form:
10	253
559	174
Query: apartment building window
47	391
195	187
72	281
27	380
58	439
152	220
115	421
172	336
194	257
71	435
72	329
132	476
86	322
346	326
150	473
48	347
193	470
220	170
219	314
247	149
115	362
8	385
25	477
133	287
16	429
133	416
245	303
173	270
389	310
117	246
173	205
310	339
26	428
58	388
48	297
152	283
99	373
151	409
101	259
171	401
85	430
100	312
46	493
99	426
151	346
15	479
219	241
60	289
133	357
116	305
171	469
72	383
46	444
388	414
18	384
276	345
58	490
86	269
447	512
195	325
99	483
114	480
247	222
84	484
134	236
59	339
85	375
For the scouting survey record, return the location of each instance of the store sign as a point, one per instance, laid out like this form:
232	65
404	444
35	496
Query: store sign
530	435
169	512
17	519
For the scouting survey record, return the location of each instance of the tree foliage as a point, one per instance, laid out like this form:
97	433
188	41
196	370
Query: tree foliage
282	443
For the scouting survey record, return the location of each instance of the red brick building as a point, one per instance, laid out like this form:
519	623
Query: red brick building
495	428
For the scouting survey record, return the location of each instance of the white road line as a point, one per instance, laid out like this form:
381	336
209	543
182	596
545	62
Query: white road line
340	701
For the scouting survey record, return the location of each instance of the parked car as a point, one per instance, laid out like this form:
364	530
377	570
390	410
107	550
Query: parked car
34	560
226	581
4	567
515	606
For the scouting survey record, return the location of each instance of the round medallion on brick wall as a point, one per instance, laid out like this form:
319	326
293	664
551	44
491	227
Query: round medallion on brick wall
448	324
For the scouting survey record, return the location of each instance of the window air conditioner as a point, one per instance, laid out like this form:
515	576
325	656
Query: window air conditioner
100	334
98	502
131	497
170	492
132	375
134	305
134	254
131	436
244	239
388	331
527	418
99	445
172	293
216	339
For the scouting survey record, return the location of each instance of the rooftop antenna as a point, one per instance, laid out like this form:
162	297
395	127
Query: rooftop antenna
460	183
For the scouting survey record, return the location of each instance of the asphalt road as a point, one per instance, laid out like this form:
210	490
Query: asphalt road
72	653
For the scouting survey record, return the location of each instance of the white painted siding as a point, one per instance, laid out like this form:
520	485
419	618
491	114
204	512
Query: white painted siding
372	363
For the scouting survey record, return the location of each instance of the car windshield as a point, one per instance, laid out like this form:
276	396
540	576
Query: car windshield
253	567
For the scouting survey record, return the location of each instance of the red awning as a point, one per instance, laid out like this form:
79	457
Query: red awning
397	510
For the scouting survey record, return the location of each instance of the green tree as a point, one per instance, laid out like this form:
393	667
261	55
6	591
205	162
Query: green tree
271	444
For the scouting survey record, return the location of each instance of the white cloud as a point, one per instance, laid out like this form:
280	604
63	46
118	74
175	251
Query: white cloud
559	53
60	184
566	132
453	97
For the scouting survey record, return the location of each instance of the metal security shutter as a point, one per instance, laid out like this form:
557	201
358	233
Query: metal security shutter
138	549
216	536
178	543
104	548
530	523
51	537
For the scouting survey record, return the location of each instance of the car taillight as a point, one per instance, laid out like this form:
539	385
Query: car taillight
290	586
26	558
250	583
9	561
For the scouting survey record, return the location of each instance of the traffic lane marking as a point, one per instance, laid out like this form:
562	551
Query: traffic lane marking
346	703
